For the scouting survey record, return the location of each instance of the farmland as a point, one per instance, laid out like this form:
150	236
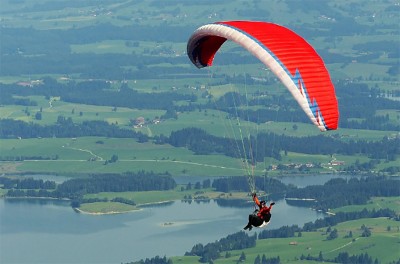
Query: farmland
148	63
102	87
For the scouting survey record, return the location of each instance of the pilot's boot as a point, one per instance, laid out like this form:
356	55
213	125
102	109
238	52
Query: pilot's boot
248	227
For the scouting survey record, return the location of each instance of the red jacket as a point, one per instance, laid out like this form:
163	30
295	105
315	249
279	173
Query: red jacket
263	210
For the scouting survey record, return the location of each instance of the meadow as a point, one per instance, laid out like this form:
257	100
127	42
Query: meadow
84	155
382	244
88	154
376	203
69	156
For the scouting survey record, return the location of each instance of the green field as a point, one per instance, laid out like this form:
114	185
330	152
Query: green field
151	197
73	158
376	203
88	155
52	109
382	244
106	208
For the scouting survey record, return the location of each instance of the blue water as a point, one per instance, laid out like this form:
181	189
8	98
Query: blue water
49	231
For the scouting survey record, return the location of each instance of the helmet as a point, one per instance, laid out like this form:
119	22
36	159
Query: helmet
262	202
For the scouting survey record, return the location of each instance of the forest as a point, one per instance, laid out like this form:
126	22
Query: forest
75	189
333	194
339	192
200	142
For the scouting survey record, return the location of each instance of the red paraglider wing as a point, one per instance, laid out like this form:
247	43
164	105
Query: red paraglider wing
289	56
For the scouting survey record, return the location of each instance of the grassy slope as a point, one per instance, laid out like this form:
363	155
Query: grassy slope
393	203
73	156
382	244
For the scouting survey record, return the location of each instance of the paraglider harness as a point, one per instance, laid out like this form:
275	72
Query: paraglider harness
259	221
265	217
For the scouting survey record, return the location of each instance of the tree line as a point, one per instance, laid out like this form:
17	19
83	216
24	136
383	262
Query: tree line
64	128
212	251
26	183
340	192
335	193
154	260
75	189
270	185
95	92
126	182
202	143
343	257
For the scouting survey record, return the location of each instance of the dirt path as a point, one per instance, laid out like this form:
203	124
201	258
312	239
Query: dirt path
88	151
183	162
343	246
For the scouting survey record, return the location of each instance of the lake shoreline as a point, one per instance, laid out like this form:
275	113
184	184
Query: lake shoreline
109	209
136	209
80	211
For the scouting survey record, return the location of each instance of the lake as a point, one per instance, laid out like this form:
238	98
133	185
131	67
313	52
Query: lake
50	231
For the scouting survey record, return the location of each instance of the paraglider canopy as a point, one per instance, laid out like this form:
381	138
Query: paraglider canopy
289	56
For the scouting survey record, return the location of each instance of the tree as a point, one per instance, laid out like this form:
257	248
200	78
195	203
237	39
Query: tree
349	235
38	116
242	257
332	235
114	158
320	257
329	229
264	259
365	231
206	183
